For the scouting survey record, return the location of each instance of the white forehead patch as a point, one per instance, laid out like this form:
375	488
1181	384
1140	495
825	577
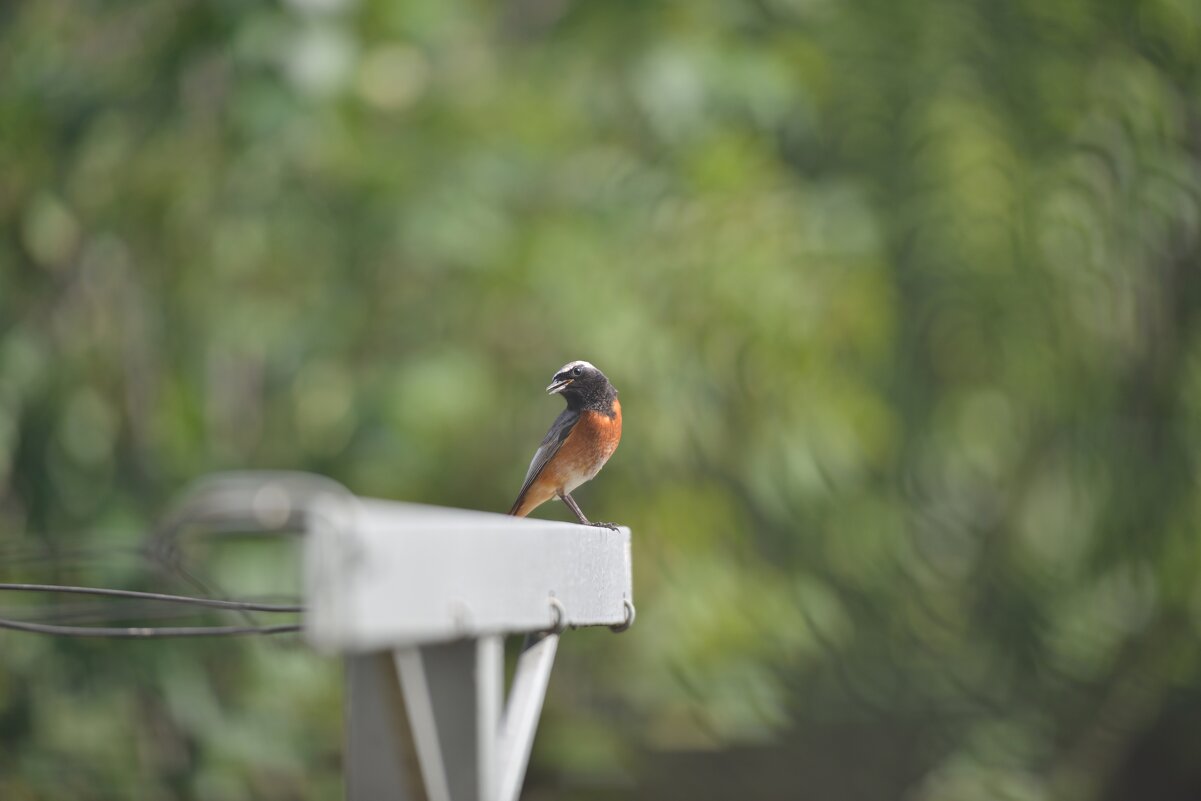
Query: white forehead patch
573	365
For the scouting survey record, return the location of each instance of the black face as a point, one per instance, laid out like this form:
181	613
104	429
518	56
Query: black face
581	384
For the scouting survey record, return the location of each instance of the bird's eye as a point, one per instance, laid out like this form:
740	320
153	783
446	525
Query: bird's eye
577	371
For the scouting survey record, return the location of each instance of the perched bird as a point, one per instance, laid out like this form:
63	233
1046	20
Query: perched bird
578	443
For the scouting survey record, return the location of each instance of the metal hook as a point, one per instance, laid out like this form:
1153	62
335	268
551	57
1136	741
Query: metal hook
560	612
630	614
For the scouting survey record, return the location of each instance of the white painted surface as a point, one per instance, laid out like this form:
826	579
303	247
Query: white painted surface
383	574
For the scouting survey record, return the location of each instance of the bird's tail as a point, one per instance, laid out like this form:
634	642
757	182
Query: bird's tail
517	510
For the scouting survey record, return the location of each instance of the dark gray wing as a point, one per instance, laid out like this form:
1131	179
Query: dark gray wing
551	443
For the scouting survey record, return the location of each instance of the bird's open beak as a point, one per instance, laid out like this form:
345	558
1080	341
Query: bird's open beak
558	386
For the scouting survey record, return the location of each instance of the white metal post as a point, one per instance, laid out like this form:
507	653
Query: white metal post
439	589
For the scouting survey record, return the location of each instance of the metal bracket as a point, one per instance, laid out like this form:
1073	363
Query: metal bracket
418	600
467	746
434	591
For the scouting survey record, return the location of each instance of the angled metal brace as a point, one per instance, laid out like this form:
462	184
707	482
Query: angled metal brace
520	721
468	749
453	695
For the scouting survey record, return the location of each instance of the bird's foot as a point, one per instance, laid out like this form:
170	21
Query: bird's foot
612	526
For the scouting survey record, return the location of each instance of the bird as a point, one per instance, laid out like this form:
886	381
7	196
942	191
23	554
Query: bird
579	442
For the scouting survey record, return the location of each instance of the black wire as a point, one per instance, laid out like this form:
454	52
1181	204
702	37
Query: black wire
134	632
155	596
115	612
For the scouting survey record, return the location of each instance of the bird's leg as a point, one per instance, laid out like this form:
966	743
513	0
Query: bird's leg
575	507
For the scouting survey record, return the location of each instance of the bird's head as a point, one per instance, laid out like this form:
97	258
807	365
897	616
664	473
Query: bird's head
580	381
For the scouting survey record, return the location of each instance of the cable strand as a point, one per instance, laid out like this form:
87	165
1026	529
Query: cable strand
154	596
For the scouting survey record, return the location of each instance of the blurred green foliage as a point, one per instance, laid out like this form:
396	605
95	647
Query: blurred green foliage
902	300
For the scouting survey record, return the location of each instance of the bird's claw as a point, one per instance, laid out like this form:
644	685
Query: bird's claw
611	526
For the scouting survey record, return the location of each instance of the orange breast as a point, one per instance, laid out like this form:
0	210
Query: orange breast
585	451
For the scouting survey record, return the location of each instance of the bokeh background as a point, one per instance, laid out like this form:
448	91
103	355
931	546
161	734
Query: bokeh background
902	300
